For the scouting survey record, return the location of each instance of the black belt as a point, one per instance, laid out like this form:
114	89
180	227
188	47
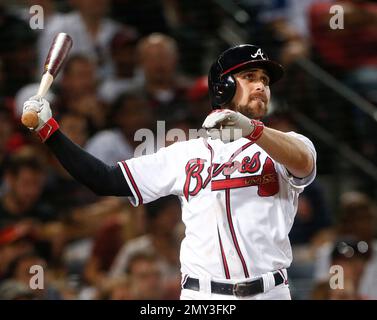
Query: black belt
241	289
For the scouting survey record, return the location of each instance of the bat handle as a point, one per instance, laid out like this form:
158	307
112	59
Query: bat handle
30	117
45	84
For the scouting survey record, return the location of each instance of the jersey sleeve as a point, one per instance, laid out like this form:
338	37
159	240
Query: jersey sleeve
301	182
153	176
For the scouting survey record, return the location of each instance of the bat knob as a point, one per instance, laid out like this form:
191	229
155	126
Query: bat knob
30	119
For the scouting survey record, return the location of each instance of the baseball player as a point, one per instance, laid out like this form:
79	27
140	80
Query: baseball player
238	187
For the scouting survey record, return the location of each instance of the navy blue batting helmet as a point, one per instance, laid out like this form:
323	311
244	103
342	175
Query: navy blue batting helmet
221	83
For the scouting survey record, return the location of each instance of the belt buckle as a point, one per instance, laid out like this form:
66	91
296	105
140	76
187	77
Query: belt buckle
240	289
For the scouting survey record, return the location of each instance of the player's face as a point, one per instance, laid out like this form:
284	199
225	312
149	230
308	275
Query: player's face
252	94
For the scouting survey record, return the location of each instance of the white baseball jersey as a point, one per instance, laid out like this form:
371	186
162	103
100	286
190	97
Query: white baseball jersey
238	204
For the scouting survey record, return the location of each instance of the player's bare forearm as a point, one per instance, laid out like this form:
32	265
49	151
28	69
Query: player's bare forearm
287	150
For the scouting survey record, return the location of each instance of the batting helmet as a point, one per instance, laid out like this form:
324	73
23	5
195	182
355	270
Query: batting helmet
221	83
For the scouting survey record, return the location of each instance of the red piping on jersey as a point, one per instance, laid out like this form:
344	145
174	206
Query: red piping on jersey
229	213
225	263
209	178
243	182
283	275
234	237
134	185
223	257
209	148
184	279
228	210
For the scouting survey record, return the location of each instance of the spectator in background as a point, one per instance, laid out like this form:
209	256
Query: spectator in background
12	135
86	226
165	16
91	32
352	50
162	239
19	272
107	243
358	221
191	23
48	6
15	290
280	27
24	182
351	54
116	289
6	131
62	191
129	113
120	290
127	74
164	87
312	220
312	217
75	126
323	291
22	204
15	241
351	256
17	52
194	28
198	98
146	16
77	92
49	11
144	273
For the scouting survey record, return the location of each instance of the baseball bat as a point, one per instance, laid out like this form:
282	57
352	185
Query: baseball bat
57	53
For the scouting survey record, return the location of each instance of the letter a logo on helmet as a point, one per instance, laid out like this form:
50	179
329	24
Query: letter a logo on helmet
258	53
221	82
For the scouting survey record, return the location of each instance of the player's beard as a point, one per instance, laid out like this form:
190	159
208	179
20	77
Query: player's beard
254	109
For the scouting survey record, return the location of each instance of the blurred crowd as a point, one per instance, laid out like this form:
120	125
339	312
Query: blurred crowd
134	63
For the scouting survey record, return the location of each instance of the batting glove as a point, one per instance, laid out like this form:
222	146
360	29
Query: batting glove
46	123
229	125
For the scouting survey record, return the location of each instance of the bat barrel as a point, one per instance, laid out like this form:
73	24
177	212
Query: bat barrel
59	49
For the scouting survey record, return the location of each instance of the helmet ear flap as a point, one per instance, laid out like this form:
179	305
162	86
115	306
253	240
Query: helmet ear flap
222	91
